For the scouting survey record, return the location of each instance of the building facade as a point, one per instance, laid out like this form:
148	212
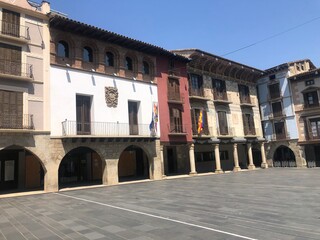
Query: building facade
226	127
24	96
278	116
305	92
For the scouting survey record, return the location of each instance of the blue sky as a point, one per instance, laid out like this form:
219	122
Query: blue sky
215	26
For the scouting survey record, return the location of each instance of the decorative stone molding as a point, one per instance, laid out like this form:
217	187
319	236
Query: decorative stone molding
111	94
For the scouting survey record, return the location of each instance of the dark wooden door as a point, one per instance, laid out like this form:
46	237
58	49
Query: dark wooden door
175	120
223	123
133	118
83	115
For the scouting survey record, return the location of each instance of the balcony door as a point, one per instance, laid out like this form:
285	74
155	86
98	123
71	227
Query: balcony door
10	23
11	109
248	124
133	118
10	59
315	128
280	130
223	123
173	89
83	115
175	120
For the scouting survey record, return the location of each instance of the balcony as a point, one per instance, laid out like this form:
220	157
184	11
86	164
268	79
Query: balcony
280	136
205	132
225	132
197	94
16	70
313	135
14	32
307	106
105	129
247	101
177	129
16	121
175	97
221	97
277	114
250	132
272	96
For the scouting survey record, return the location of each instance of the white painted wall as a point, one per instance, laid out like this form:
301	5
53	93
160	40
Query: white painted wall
66	83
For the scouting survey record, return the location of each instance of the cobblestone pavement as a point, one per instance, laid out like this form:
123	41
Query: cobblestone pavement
264	204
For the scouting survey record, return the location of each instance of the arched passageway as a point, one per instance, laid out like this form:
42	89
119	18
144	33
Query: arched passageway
133	164
81	166
284	157
20	170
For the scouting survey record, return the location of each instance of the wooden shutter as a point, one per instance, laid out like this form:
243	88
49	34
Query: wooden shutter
83	111
10	23
133	118
223	123
11	108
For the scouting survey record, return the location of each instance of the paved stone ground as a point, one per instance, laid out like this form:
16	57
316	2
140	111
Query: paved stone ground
264	204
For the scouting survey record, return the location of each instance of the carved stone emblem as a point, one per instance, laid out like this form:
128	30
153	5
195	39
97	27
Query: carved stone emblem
111	94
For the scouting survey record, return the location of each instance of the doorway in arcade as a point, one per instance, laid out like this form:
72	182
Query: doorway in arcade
20	170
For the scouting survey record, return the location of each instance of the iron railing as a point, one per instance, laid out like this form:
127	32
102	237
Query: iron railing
274	95
313	135
310	106
198	92
220	96
72	128
225	131
205	131
16	121
281	136
16	68
14	30
250	131
177	129
245	99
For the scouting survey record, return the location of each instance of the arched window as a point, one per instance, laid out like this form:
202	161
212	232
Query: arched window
87	54
146	68
109	59
63	49
129	64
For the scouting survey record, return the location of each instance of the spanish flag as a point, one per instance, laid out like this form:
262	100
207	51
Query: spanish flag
200	122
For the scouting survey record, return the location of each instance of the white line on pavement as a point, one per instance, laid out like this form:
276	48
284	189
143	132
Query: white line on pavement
159	217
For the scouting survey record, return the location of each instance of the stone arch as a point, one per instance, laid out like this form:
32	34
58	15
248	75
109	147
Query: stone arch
284	156
81	165
22	169
134	162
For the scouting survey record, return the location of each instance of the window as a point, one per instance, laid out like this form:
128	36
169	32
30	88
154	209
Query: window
314	131
129	64
63	49
199	121
224	155
175	120
279	130
196	83
10	23
277	109
311	99
274	90
219	89
146	68
223	123
109	60
11	109
309	82
87	54
173	89
10	60
248	124
244	94
204	156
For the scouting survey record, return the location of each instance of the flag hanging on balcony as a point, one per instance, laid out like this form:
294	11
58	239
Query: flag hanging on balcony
200	122
154	119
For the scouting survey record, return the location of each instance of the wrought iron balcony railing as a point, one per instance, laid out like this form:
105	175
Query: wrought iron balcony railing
16	121
313	134
205	131
250	131
280	136
108	129
311	106
14	30
16	68
225	132
221	96
177	129
196	92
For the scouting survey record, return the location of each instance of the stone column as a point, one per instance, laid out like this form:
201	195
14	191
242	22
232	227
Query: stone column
264	163
110	172
235	158
191	159
251	165
51	183
217	157
162	161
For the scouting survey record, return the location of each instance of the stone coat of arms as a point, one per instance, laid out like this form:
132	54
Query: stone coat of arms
111	94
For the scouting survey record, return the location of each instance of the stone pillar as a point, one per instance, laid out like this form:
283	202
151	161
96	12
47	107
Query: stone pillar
110	172
156	166
251	165
51	183
217	157
264	163
192	161
236	158
162	161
